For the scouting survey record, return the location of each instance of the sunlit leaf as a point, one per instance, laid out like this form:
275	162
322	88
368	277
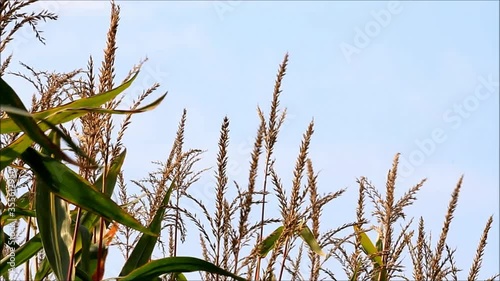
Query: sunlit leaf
159	267
54	224
26	123
7	125
70	186
368	247
144	248
270	242
308	237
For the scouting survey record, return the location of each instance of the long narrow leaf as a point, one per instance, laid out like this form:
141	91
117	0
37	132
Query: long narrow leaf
159	267
144	248
7	125
22	254
89	219
70	186
9	153
368	246
27	123
307	235
270	242
54	223
12	152
83	239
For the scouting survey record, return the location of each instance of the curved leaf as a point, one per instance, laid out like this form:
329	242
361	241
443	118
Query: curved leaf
144	248
70	186
308	237
270	242
159	267
54	224
9	153
368	247
90	219
7	125
26	122
23	254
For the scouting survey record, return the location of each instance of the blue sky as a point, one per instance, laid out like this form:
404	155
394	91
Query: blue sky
418	78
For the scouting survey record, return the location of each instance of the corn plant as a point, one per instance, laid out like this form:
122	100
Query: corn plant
67	210
65	157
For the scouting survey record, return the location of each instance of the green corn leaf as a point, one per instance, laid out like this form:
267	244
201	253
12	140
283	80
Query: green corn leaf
3	185
22	254
43	271
7	125
180	277
26	123
6	238
144	248
159	267
93	258
379	244
20	210
60	115
368	247
54	224
70	186
9	153
82	275
270	242
307	235
89	220
83	238
12	152
9	217
84	254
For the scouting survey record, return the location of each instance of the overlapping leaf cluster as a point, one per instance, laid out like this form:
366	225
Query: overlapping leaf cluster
62	156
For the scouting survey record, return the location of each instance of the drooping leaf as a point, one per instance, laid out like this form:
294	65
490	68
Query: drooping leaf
368	247
13	151
60	115
159	267
307	235
89	220
9	153
146	244
269	243
70	186
26	123
7	125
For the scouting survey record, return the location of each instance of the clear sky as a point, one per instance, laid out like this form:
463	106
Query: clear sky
378	78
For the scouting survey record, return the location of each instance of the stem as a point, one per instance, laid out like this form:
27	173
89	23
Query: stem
73	246
285	254
27	268
259	239
176	220
101	226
